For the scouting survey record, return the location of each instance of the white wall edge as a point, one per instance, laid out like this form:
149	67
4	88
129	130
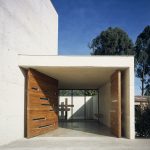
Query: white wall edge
27	61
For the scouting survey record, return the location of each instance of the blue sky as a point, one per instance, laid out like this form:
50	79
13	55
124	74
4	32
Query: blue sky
82	20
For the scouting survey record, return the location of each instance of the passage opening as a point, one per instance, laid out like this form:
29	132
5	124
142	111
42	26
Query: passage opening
78	104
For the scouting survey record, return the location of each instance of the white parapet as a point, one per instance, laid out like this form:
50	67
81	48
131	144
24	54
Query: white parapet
76	61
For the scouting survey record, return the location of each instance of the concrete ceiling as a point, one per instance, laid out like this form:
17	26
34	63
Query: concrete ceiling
78	77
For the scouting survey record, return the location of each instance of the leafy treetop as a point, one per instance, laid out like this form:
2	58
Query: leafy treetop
113	41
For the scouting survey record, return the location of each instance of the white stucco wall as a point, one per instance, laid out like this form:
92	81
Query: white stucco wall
29	27
79	107
76	61
105	103
26	27
91	106
83	107
11	97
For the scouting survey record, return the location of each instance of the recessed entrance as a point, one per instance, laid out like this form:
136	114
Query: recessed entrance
88	110
78	114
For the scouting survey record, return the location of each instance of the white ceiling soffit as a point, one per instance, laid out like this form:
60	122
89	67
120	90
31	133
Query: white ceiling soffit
78	78
77	71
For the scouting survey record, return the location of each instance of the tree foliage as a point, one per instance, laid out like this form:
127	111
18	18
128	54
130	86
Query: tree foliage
142	121
78	92
142	48
113	41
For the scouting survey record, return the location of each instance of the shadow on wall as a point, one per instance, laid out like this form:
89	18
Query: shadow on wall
84	108
85	111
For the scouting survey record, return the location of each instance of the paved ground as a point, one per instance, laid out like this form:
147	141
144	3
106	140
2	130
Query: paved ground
78	143
78	137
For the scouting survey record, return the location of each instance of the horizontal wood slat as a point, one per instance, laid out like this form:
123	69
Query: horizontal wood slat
38	123
42	103
39	131
42	94
42	114
43	90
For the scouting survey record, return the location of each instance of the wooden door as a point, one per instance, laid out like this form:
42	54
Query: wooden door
115	113
42	104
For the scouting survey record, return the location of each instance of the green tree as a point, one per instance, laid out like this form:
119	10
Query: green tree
113	41
142	121
142	48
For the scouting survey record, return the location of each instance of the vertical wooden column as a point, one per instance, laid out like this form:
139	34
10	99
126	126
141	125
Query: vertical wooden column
115	113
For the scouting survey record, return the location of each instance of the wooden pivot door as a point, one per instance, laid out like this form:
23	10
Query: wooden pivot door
115	113
42	104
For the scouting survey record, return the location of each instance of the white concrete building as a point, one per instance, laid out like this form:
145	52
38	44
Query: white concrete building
29	39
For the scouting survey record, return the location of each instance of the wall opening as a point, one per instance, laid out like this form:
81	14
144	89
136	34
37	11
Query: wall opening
82	104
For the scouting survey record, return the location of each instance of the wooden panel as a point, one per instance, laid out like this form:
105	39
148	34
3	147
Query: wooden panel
42	103
115	113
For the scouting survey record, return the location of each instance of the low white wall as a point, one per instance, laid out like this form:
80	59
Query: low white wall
105	103
26	27
81	109
91	106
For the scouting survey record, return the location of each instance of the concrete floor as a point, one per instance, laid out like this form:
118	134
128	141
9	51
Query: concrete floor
89	128
78	136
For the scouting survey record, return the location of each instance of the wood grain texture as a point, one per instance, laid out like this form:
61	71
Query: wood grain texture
115	113
42	103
